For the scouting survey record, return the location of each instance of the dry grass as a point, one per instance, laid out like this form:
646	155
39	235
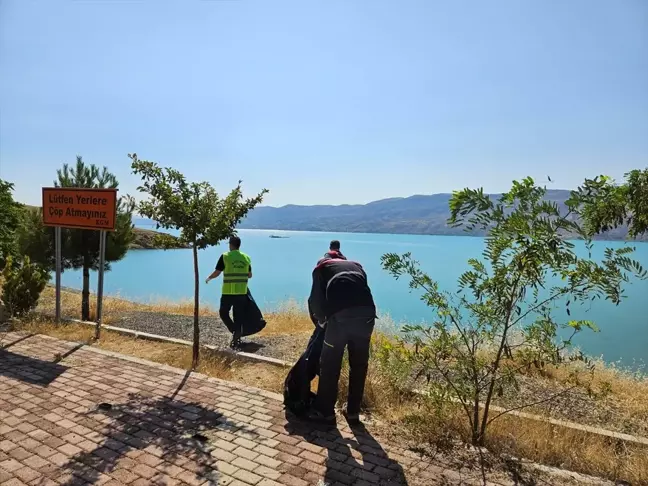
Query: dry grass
212	363
626	390
288	318
444	428
113	307
569	449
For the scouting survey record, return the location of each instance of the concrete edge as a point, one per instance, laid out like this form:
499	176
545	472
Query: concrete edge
156	337
277	362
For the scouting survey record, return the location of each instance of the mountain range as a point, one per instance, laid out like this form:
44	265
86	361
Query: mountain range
420	214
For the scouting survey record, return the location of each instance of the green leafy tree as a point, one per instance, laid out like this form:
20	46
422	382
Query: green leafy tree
606	205
36	240
10	219
195	208
79	248
503	317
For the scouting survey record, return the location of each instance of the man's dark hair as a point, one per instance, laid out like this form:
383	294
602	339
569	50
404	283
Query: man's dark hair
335	245
235	241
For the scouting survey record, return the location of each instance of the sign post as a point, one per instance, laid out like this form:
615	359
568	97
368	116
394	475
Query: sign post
102	258
57	249
80	208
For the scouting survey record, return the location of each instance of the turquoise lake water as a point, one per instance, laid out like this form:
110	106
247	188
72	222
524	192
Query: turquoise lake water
282	271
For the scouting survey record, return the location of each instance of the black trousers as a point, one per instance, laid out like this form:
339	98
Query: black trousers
352	329
226	304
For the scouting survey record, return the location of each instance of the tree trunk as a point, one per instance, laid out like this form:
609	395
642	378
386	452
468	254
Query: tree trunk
85	294
196	337
475	422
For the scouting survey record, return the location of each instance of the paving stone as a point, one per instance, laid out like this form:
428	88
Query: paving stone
52	431
268	482
268	461
244	464
7	445
19	454
245	453
5	476
10	465
144	471
267	472
26	474
191	478
247	477
35	462
289	480
14	482
124	476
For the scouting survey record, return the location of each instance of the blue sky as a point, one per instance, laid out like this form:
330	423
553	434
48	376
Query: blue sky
325	101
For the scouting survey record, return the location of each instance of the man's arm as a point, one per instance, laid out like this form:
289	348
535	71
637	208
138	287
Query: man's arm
220	266
317	298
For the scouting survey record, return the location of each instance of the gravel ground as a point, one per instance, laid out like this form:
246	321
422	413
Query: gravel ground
212	331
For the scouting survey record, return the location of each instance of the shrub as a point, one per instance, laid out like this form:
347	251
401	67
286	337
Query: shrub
503	317
23	283
10	212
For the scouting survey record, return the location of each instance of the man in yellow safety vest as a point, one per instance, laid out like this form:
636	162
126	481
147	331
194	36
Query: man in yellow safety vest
236	268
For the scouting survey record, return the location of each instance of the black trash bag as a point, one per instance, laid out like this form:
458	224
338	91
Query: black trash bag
249	317
298	397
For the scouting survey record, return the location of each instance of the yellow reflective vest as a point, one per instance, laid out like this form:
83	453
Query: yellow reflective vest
235	275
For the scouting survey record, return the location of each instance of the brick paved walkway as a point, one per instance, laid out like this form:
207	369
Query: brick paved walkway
72	415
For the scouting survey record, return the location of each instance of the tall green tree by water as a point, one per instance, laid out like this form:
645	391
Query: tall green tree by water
503	317
195	208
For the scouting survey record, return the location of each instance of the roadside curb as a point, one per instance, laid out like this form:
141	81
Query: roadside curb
156	337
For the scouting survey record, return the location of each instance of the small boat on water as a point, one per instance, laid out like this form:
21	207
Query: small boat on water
277	236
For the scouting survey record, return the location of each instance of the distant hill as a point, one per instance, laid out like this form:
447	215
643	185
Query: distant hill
420	215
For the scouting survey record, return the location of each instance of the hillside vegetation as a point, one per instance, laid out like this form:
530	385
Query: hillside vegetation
151	240
421	214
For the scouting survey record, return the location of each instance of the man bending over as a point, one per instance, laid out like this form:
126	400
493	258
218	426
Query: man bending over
341	298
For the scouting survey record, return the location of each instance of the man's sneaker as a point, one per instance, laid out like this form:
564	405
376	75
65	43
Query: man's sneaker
320	418
235	345
352	418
